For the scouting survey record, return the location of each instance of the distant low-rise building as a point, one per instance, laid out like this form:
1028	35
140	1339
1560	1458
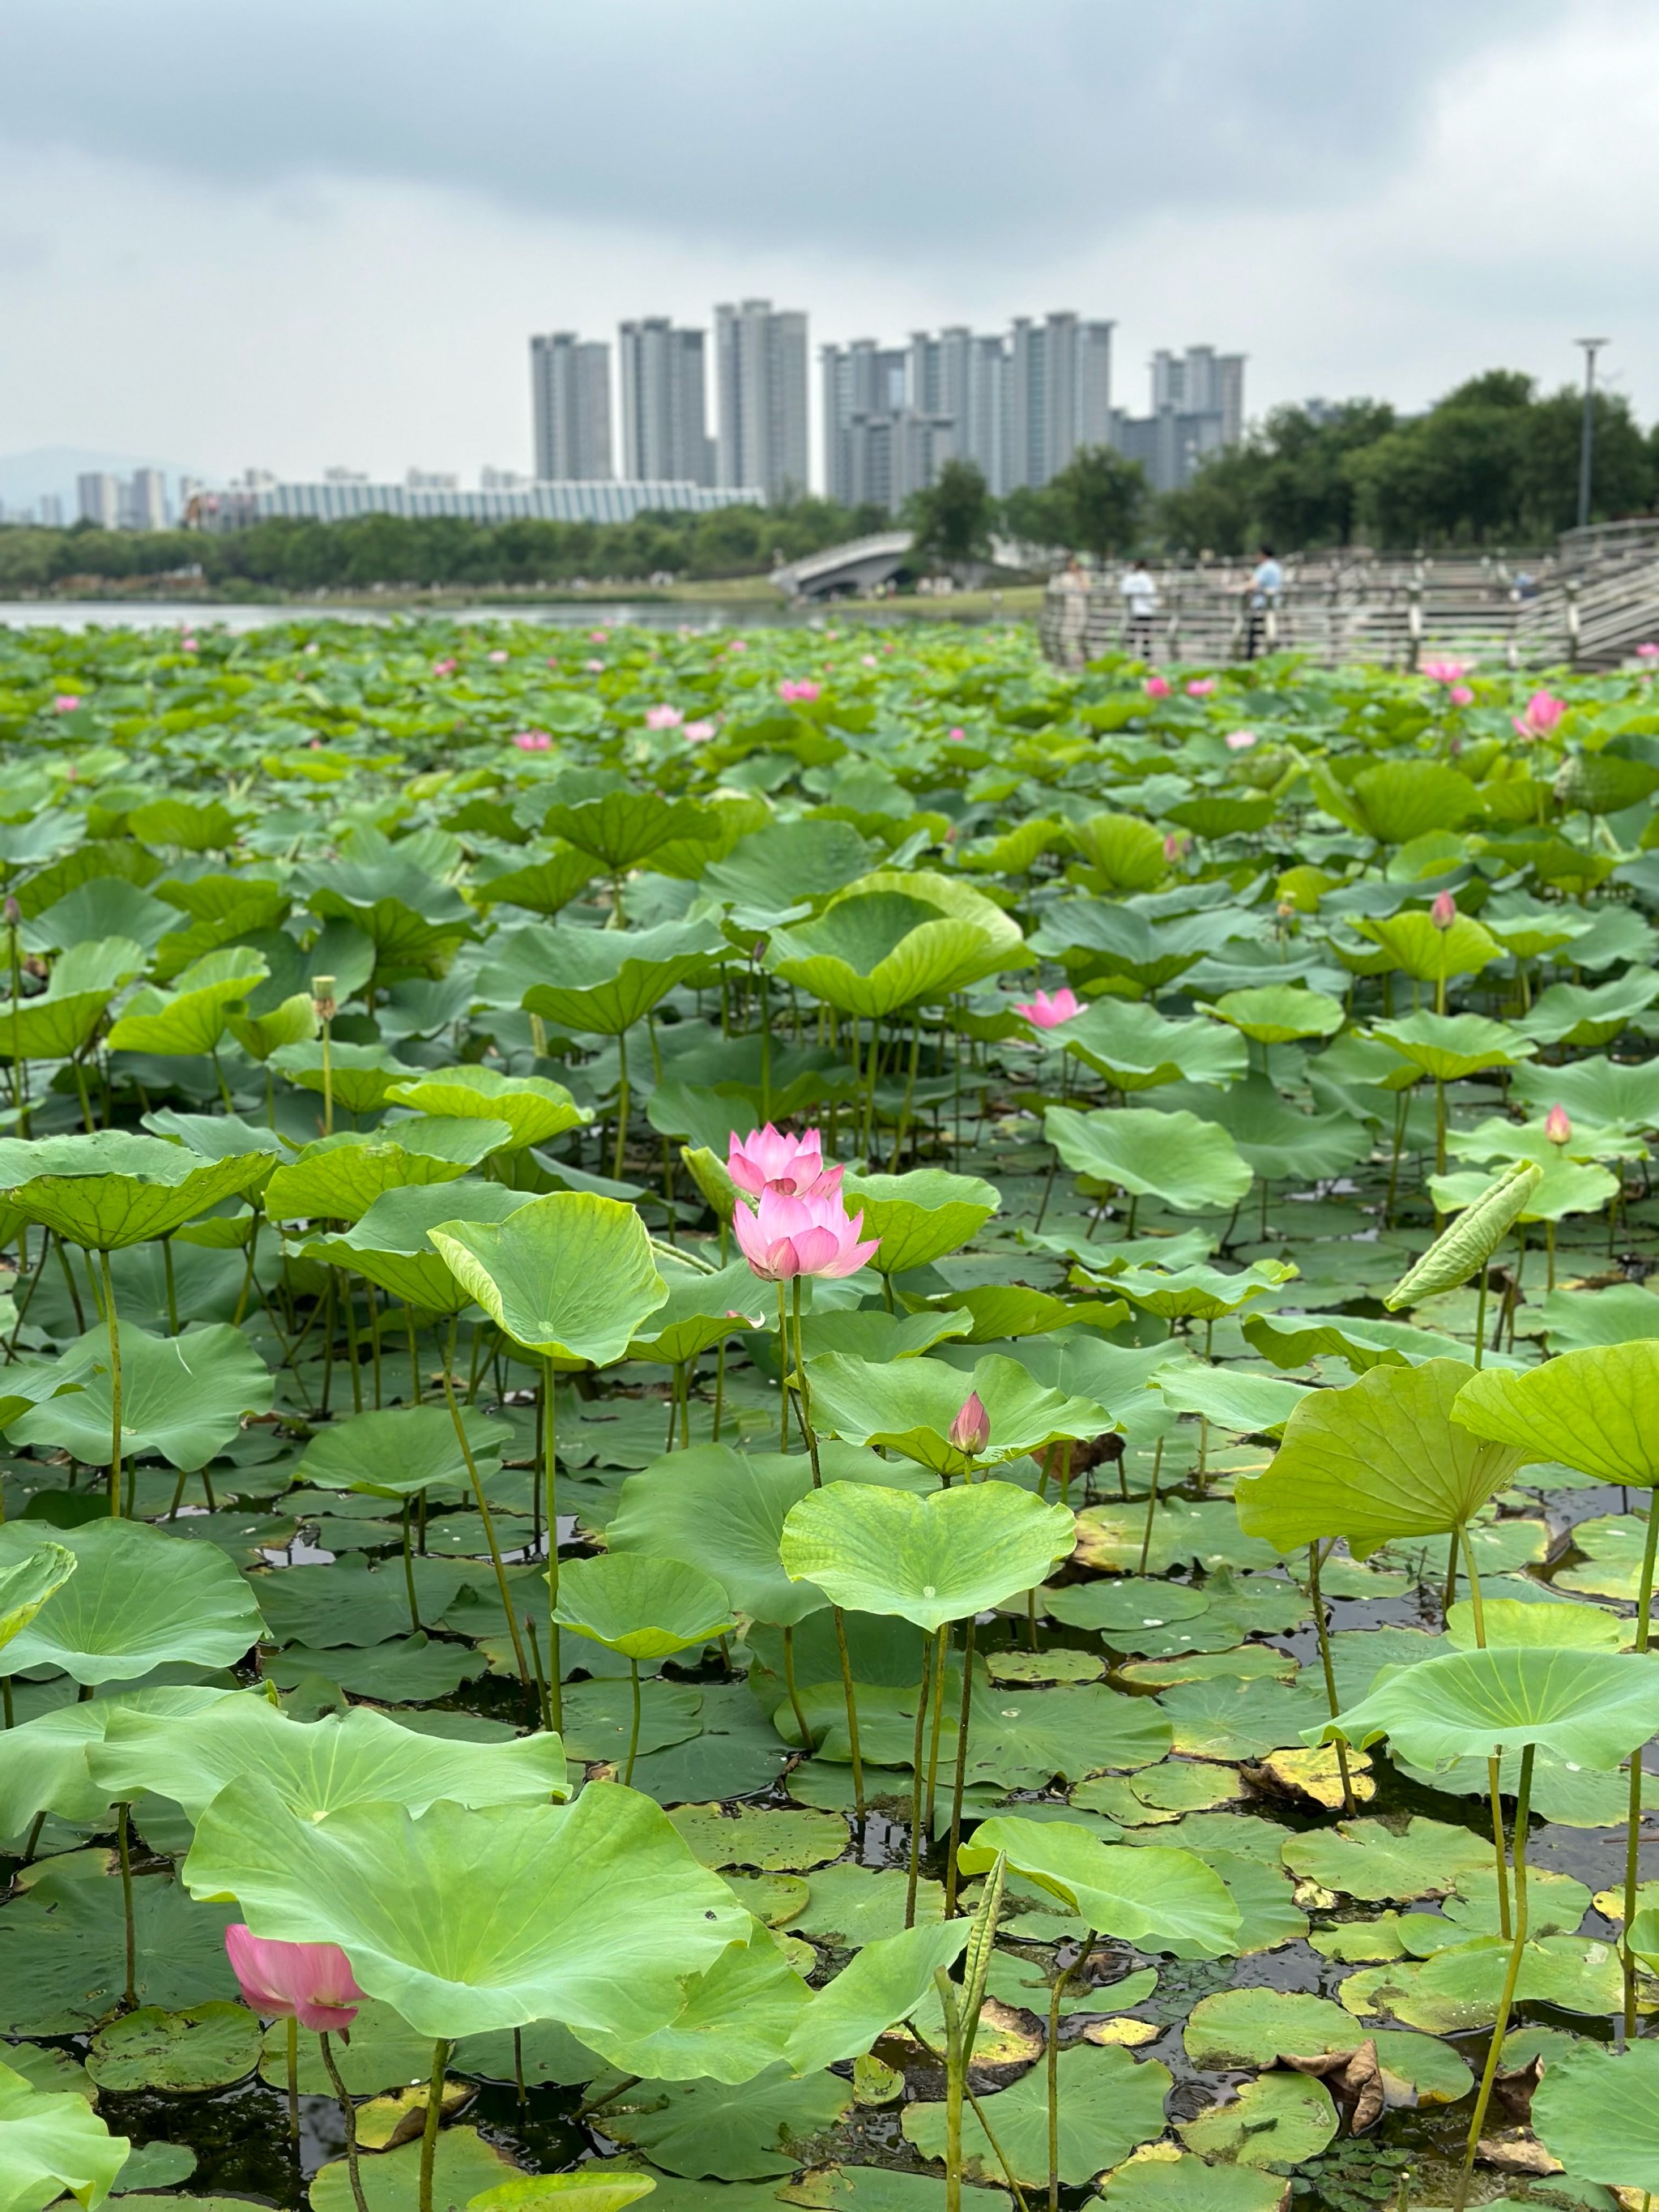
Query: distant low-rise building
580	500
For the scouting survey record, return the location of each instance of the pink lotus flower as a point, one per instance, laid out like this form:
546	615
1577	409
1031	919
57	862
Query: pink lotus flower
498	656
445	667
739	645
771	1159
890	647
593	667
598	636
1461	695
1446	671
1157	687
868	660
789	1236
1240	741
1443	911
533	741
1558	1125
1175	847
970	1431
1200	686
1648	652
1046	1013
188	645
65	703
798	687
551	662
663	718
312	1983
1540	717
958	735
696	733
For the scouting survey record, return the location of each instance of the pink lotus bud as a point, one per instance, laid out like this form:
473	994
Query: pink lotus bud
65	703
970	1431
1200	686
1157	687
663	718
14	913
696	733
1174	846
1558	1125
312	1983
1461	695
1443	912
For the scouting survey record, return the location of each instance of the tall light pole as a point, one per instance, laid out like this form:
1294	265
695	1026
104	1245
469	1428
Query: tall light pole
1586	440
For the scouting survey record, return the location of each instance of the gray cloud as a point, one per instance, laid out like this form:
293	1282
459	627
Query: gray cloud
939	127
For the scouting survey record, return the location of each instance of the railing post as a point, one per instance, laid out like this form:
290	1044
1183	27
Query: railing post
1413	622
1571	591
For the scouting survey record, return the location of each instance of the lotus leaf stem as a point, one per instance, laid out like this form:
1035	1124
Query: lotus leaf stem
496	1559
414	1356
434	2108
550	1477
1151	1507
1322	1629
633	1725
291	2067
941	1658
852	1710
543	1706
623	1101
1644	1607
124	1848
941	2060
172	1295
1053	2057
409	1576
789	1685
1512	1975
1494	1766
922	1702
968	1629
347	2113
113	1328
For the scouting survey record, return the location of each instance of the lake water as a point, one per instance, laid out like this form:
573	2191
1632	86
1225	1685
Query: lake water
594	614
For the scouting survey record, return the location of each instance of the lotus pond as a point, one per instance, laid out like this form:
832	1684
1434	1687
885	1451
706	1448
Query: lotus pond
813	1420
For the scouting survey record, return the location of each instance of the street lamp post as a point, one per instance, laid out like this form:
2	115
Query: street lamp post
1587	440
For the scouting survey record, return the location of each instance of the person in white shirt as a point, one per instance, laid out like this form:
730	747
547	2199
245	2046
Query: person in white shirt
1139	606
1266	581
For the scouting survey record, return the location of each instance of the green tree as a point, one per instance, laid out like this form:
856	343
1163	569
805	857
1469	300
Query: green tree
953	518
1098	499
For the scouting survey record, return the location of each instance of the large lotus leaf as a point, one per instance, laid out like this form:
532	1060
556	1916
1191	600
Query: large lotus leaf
1562	1186
1190	1164
465	2168
182	1397
1108	2103
355	1757
928	1559
1124	853
1367	1859
922	1215
1431	954
569	1275
778	867
206	2047
1574	1013
192	1017
1280	1013
389	1244
358	1077
1449	1046
1159	2180
733	2133
1135	1049
723	1511
1198	1292
1093	936
642	1607
592	1913
545	885
735	2022
1591	1707
884	1984
1293	1339
1279	1142
1599	1090
1377	1461
399	1450
1597	2110
137	1600
702	1311
1596	1410
1152	1897
400	936
892	940
1579	1321
54	1026
349	1603
338	1178
622	827
532	1107
909	1405
609	979
1230	1397
44	1769
50	2145
115	1188
26	1584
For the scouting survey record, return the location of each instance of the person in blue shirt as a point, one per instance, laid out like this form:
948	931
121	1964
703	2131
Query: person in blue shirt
1266	581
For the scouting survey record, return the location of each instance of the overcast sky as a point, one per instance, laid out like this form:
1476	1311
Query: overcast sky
235	231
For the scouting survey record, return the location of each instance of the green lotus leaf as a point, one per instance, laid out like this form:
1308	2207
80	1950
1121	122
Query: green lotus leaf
51	2145
534	1107
137	1600
115	1188
611	1912
1094	937
1367	1859
609	979
702	1311
1277	1141
767	1837
1577	1014
893	940
731	2132
400	1450
1295	1340
1597	2110
1377	1461
207	2047
1468	1245
26	1584
928	1559
338	1178
989	1313
292	1020
1197	1293
1123	853
355	1757
722	1511
1158	2183
919	1217
184	1397
624	828
1449	1047
46	1769
644	1608
1591	1707
786	862
1561	1187
569	1275
1433	955
590	2189
1620	1093
1152	1897
910	1406
1509	1622
885	1982
735	2022
544	886
193	1016
1108	2103
57	1024
1135	1049
463	2166
1596	1410
1230	1397
1190	1164
358	1077
388	1243
1277	2119
1280	1013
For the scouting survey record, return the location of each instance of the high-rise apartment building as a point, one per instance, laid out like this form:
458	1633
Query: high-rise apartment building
759	357
664	422
570	393
50	509
886	433
1197	408
1059	394
98	495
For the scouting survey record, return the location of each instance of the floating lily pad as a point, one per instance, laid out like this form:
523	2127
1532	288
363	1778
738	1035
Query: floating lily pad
773	1839
1277	2119
206	2047
1108	2103
731	2134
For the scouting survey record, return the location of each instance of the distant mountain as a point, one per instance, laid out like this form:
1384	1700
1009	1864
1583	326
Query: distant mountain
25	477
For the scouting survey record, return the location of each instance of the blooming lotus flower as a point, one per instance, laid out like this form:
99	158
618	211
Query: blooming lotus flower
1240	741
958	735
1046	1013
663	718
65	703
498	656
312	1983
696	733
785	1237
1540	716
599	637
1157	687
188	645
739	645
1446	671
798	687
1200	686
1648	652
1558	1125
970	1431
771	1159
1443	912
867	660
533	741
1461	695
594	667
445	667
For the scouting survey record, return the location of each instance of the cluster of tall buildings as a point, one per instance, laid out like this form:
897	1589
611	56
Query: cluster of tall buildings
1018	404
135	502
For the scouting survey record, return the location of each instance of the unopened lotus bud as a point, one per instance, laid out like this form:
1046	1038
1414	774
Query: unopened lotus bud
970	1431
1287	909
322	998
1558	1125
13	912
1443	912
